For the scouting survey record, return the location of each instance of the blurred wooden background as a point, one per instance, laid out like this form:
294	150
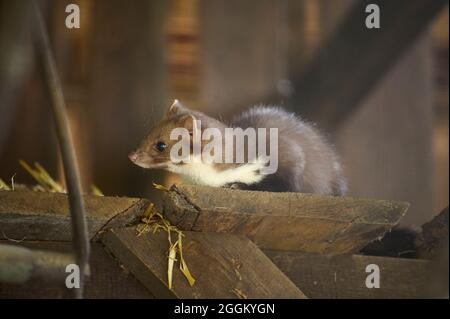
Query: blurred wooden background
130	58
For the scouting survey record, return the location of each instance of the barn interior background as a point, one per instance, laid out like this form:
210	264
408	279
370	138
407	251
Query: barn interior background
384	102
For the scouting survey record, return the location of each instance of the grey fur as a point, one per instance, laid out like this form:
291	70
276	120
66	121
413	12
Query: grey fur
307	162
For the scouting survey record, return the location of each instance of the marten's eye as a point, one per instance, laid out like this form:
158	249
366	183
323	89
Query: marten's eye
160	146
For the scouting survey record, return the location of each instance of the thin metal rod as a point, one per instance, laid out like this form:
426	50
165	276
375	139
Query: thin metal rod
71	173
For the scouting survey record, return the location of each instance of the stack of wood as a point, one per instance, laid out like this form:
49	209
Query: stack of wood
237	244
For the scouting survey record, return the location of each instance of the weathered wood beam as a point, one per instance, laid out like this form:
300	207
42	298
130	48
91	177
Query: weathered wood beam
45	216
224	265
351	62
284	221
345	276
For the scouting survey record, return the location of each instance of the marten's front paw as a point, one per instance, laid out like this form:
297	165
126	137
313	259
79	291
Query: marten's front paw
240	186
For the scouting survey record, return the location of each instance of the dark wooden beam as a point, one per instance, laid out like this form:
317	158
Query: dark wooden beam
352	61
284	221
345	276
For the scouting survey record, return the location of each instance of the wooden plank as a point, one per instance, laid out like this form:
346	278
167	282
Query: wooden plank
354	59
284	221
108	278
45	216
345	276
224	266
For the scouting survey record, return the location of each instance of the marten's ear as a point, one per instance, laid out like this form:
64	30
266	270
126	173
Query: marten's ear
176	109
189	122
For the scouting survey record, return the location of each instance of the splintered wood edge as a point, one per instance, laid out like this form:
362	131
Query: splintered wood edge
28	215
179	209
128	217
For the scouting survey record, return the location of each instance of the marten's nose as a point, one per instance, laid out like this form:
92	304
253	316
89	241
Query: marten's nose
133	156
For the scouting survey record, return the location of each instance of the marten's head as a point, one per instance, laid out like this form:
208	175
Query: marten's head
154	150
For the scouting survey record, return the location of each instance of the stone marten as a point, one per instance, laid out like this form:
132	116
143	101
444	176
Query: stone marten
306	162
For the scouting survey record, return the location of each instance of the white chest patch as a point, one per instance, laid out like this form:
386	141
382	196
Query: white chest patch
206	174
